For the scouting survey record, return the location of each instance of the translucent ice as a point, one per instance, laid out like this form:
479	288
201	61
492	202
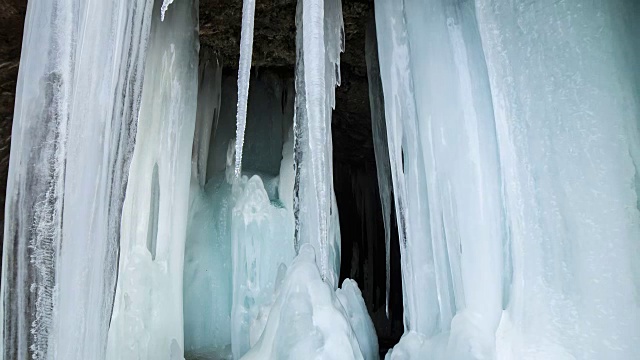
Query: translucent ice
319	41
244	73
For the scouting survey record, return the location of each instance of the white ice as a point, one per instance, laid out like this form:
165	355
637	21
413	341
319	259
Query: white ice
147	319
308	319
68	166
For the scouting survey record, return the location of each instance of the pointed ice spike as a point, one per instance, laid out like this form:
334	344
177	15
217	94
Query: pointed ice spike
164	7
244	73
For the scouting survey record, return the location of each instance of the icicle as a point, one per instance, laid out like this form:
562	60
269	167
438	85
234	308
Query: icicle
319	43
381	149
314	74
396	79
244	74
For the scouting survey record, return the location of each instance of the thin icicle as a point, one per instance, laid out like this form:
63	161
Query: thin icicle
380	146
244	73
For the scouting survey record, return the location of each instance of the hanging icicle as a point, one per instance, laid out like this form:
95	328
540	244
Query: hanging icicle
244	74
319	41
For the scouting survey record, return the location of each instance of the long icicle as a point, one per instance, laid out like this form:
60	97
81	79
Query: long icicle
314	73
244	73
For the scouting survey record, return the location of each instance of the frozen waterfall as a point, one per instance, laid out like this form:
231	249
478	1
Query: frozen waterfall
164	202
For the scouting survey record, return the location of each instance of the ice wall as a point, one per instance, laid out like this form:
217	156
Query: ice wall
148	314
513	129
319	41
71	145
566	104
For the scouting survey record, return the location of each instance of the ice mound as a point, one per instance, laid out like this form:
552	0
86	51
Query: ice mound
308	320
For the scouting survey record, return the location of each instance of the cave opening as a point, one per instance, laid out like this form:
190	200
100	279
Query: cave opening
270	116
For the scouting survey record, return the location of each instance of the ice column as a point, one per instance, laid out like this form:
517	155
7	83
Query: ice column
319	41
71	145
147	319
244	74
564	80
449	170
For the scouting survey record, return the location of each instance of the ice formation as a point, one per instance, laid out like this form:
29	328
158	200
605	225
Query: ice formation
244	73
521	151
160	209
67	178
147	318
319	41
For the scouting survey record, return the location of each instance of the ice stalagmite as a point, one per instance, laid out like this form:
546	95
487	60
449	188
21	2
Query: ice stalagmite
244	73
71	144
319	41
381	148
564	80
147	320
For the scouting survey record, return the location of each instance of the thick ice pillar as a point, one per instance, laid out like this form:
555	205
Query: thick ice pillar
147	317
564	80
71	144
319	41
442	143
